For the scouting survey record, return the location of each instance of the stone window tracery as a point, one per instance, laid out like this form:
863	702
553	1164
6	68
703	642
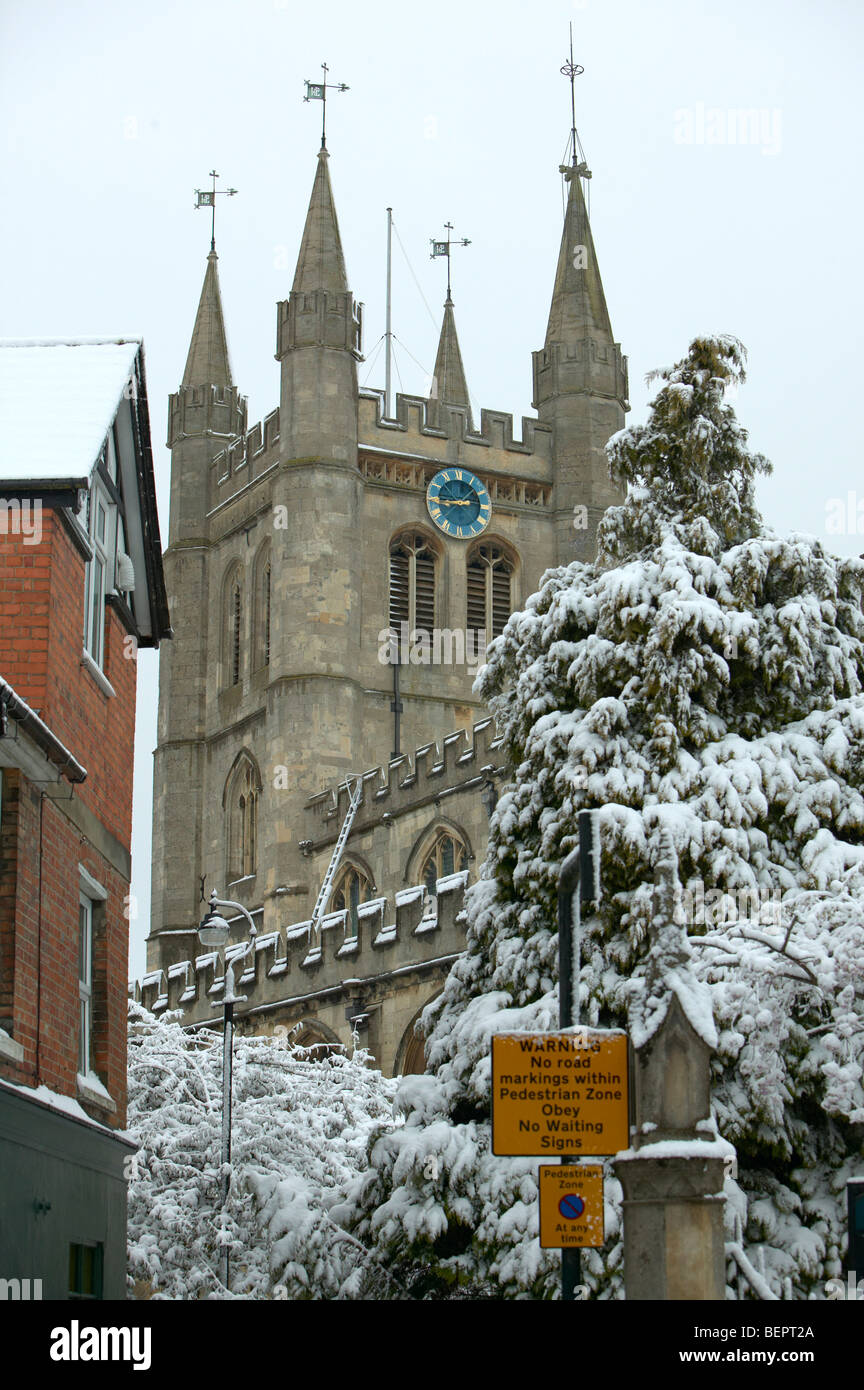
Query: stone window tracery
243	796
412	582
490	589
353	886
447	855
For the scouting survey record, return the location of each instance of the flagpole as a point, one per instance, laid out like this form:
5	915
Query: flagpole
388	334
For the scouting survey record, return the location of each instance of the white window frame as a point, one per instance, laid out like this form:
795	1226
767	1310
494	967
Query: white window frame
99	571
85	983
90	894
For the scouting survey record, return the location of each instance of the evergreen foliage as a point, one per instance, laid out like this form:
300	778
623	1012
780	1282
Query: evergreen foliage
702	680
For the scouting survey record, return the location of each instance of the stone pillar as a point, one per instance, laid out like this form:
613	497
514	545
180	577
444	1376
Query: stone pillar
672	1176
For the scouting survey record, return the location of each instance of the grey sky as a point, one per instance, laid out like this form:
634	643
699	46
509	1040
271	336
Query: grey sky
114	113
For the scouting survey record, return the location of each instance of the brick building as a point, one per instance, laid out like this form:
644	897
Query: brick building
81	589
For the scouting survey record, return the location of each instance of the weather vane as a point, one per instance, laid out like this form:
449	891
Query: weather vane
317	91
206	198
442	248
571	71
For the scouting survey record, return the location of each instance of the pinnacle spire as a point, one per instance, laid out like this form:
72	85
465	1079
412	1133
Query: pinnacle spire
450	385
578	301
321	264
208	363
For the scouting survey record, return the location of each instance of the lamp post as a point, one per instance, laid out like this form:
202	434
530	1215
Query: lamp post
214	931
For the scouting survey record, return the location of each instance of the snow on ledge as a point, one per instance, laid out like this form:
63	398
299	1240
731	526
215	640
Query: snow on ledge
66	1105
681	1148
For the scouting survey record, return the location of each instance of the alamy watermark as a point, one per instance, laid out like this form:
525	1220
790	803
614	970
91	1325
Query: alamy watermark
720	906
440	646
21	516
852	1290
736	125
844	516
20	1289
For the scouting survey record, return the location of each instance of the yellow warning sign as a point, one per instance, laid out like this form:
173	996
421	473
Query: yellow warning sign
571	1206
559	1093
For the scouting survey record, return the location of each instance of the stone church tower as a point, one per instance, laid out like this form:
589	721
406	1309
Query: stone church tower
329	573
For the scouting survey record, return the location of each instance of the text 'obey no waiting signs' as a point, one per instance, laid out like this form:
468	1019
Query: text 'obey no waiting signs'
571	1206
559	1093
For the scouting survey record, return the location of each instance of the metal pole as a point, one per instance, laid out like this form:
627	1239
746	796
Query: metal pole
227	1053
387	332
396	706
229	999
575	885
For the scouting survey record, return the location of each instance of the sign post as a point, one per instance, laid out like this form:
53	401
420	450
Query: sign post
565	1094
578	886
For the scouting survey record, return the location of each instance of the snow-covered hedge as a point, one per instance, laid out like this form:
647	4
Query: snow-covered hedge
299	1135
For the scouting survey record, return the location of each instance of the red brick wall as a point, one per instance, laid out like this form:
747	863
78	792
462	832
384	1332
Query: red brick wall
25	572
39	949
41	638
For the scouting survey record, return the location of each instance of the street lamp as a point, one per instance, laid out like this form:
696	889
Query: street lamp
214	932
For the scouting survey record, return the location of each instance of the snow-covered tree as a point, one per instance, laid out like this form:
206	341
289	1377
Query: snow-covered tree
704	677
299	1132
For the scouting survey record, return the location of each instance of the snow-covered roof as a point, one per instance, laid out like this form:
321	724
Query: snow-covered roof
58	398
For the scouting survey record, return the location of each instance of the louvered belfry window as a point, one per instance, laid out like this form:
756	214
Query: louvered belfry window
490	590
412	583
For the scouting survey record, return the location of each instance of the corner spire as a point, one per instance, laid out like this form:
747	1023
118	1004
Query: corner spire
321	264
578	301
450	386
208	363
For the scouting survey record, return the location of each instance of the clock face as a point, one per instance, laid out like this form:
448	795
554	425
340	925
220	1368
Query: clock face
458	503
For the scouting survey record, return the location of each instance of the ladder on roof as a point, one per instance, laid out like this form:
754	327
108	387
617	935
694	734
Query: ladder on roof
354	796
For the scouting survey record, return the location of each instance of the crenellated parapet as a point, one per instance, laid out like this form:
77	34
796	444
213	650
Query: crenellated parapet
431	420
205	410
403	784
406	933
588	365
248	455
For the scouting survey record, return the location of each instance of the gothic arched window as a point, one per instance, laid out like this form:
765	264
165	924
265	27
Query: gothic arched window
265	600
242	796
447	855
262	608
490	589
353	887
232	627
412	582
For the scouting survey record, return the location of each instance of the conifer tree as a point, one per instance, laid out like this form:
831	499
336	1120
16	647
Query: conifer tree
703	679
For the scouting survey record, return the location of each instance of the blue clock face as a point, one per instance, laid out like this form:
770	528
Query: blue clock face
458	503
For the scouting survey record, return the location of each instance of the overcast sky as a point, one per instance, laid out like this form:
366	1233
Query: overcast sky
113	113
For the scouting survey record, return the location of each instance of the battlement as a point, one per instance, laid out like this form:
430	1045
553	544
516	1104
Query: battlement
213	410
242	459
431	420
291	965
405	782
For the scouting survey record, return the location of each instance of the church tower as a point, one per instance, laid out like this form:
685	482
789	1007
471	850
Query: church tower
334	574
203	414
580	383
